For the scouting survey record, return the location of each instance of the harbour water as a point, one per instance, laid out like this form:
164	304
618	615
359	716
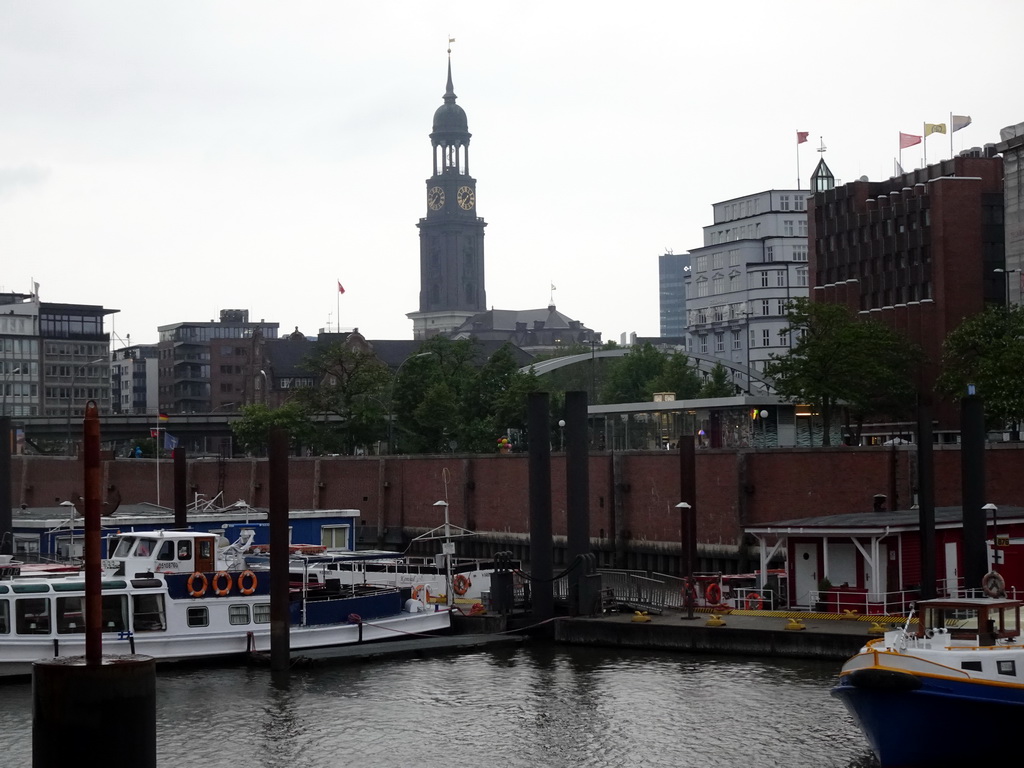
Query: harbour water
530	705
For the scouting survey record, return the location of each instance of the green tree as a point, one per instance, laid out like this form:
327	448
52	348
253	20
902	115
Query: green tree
632	377
840	360
352	385
252	431
987	350
449	399
718	384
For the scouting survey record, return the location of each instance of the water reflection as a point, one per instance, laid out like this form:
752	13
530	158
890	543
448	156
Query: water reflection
533	705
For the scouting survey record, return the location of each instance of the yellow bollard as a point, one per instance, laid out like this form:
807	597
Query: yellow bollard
715	621
640	616
795	624
876	629
849	613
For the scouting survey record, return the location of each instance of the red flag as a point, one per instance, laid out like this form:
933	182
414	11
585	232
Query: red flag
908	140
341	288
801	136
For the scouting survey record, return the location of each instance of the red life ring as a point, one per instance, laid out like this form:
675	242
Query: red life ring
245	575
221	583
461	584
204	583
754	602
713	594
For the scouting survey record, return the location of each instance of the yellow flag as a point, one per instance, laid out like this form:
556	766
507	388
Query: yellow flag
930	128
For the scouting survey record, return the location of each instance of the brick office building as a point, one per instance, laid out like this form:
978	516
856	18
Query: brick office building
917	251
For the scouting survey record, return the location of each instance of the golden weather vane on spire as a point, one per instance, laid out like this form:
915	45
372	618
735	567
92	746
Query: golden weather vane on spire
450	41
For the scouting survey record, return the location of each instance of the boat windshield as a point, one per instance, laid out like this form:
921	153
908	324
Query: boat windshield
124	546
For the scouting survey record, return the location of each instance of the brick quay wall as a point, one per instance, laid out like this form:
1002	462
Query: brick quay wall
633	519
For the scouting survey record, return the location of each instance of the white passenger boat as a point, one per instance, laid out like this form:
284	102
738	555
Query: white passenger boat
178	595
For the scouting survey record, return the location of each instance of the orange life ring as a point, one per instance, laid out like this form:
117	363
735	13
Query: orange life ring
244	589
754	602
713	594
421	589
204	583
461	584
218	583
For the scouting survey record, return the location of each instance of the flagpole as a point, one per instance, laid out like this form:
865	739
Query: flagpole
951	132
798	160
157	441
924	142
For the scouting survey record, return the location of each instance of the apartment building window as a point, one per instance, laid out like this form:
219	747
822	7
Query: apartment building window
764	280
801	228
783	202
764	308
769	253
719	313
787	227
766	337
780	278
801	278
718	283
716	260
734	258
735	339
719	342
701	264
702	287
703	345
780	307
799	253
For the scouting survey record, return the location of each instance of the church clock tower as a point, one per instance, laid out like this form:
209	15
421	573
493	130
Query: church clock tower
451	234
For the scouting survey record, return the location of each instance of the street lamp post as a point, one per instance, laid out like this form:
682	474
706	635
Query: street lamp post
75	370
7	381
685	535
561	429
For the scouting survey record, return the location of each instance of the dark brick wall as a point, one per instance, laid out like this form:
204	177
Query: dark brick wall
491	493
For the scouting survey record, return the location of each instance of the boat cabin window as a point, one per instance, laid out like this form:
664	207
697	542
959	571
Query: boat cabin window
261	613
184	550
32	615
145	547
166	552
70	615
1007	667
124	546
238	614
973	666
5	617
198	616
148	611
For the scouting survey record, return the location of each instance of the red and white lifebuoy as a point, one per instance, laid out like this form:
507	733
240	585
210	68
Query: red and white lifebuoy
754	602
247	582
461	584
713	593
198	584
993	584
421	590
221	583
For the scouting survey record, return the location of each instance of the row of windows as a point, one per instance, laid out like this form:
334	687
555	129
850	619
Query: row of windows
736	311
66	615
717	341
762	279
19	347
80	349
70	325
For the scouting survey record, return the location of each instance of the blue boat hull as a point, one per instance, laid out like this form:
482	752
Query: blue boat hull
918	721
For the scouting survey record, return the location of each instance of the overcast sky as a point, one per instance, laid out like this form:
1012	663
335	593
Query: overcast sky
171	159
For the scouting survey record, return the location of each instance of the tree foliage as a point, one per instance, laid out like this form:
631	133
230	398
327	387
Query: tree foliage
987	350
644	370
252	431
840	360
446	401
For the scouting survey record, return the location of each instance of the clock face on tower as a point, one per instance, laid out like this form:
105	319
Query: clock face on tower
466	197
435	198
